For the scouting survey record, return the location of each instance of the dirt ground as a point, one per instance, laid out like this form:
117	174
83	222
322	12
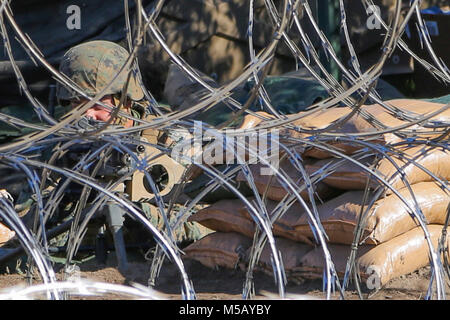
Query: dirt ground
225	284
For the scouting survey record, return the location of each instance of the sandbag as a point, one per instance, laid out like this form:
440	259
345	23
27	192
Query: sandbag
350	176
284	225
399	256
302	261
338	217
325	118
291	253
357	124
422	107
345	148
312	264
436	160
225	216
250	121
233	216
5	234
387	218
347	176
197	185
219	249
402	255
275	190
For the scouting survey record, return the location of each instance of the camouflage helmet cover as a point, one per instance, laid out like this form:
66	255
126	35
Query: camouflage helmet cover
92	65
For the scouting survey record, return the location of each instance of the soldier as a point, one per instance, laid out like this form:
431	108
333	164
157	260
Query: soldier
92	65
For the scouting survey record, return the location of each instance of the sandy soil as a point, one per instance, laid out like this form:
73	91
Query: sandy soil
227	284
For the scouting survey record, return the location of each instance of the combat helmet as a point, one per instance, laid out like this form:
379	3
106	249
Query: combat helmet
92	65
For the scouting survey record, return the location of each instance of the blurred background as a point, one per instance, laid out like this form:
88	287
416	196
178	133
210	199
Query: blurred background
212	37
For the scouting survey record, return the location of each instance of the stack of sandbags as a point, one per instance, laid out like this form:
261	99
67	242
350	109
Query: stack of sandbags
292	255
389	232
219	249
274	188
386	219
371	119
422	163
389	250
392	242
235	227
399	256
233	216
357	123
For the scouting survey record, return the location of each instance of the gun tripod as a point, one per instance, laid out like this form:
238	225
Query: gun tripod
114	216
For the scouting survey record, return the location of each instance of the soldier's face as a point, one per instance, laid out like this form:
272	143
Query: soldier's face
98	112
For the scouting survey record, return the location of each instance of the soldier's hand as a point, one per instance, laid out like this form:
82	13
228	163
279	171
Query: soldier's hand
5	194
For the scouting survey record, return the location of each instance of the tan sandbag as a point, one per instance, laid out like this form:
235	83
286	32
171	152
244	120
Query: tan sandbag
275	190
338	217
416	108
344	148
387	218
5	234
436	160
322	120
291	253
219	249
357	124
225	216
350	176
251	121
402	255
302	261
391	218
312	264
422	108
347	176
284	225
231	215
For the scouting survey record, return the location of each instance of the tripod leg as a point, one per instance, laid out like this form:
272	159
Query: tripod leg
115	219
100	246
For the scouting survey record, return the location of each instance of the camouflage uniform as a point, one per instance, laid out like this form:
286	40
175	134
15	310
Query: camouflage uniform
92	66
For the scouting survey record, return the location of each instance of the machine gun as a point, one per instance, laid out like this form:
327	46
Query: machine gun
164	171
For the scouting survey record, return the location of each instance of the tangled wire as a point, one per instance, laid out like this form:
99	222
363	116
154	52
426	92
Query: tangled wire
419	130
